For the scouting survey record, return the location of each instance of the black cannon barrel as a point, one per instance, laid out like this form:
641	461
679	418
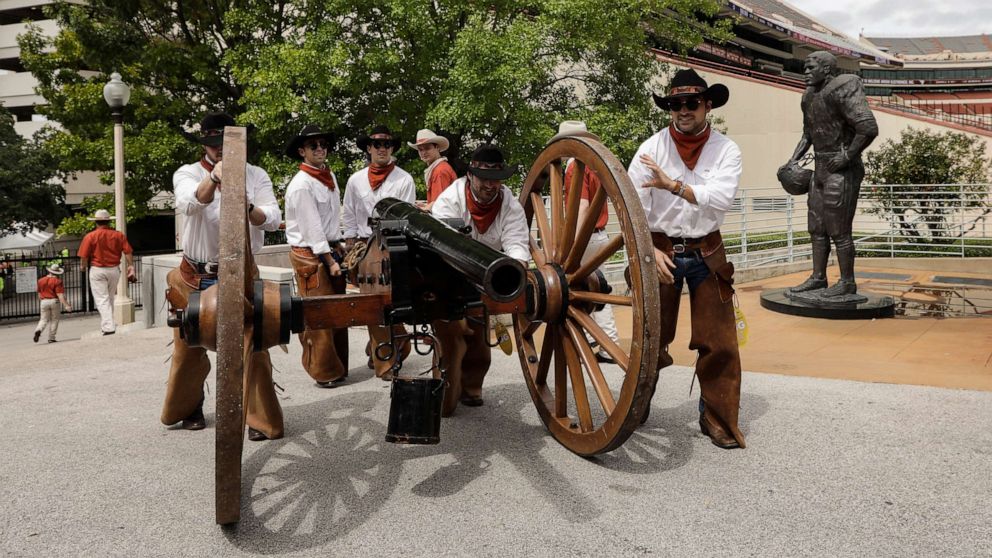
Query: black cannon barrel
501	277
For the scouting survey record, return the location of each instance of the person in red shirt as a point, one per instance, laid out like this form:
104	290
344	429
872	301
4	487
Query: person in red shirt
439	174
599	238
51	292
101	252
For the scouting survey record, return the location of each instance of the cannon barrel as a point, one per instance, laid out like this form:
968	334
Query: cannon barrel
497	275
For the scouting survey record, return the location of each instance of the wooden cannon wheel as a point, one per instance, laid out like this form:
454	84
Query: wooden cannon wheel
559	363
234	331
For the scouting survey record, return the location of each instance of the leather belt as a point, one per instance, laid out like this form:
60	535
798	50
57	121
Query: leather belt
203	268
683	245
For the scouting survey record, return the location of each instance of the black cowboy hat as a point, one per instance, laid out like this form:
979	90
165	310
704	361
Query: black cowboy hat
212	121
363	141
310	131
488	153
687	83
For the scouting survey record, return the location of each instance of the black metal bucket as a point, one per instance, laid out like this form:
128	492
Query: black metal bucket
415	411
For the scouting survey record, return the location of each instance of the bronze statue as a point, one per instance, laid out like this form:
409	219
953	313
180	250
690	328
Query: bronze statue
839	125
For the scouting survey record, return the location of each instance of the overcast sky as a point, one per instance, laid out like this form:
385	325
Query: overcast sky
902	18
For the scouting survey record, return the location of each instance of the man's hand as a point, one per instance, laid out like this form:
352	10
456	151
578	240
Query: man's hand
218	173
664	264
837	162
334	269
661	180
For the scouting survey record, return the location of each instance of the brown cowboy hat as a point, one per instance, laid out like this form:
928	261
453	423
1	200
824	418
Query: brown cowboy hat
310	131
687	83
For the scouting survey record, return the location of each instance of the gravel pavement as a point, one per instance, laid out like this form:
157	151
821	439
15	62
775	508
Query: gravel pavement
833	468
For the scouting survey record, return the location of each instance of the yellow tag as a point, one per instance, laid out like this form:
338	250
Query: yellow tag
503	338
741	324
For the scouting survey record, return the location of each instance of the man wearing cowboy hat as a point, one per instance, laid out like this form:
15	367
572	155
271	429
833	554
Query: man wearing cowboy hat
599	238
439	174
381	179
100	252
313	231
686	177
51	292
197	191
496	219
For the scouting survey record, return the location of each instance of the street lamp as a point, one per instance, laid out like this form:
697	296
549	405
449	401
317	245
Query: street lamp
117	94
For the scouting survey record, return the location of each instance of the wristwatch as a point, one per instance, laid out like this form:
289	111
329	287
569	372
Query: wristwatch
213	178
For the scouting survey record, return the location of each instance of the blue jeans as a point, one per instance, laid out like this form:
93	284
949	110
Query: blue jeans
690	268
205	283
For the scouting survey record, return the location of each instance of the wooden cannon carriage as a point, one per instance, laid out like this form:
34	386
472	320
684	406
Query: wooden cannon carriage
413	272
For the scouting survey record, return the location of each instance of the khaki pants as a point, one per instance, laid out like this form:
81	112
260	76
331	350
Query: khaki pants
325	351
51	310
103	285
466	357
190	367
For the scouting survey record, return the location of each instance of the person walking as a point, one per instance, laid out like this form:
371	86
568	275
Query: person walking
51	292
100	253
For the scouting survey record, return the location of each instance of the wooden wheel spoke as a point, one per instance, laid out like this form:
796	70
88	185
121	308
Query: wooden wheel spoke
600	298
578	385
597	260
543	228
529	327
572	208
541	378
585	231
557	208
537	253
599	383
590	325
561	378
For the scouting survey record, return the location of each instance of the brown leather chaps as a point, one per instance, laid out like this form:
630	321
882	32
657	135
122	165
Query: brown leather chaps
325	351
466	357
190	367
714	333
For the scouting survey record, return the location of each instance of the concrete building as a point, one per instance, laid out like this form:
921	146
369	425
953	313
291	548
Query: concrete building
17	85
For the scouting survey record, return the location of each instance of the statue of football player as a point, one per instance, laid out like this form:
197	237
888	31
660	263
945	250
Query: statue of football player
839	125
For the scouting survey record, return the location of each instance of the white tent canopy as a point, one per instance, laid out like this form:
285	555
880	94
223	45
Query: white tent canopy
31	240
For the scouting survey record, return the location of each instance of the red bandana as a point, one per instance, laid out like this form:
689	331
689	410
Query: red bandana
690	146
483	215
323	175
207	164
377	175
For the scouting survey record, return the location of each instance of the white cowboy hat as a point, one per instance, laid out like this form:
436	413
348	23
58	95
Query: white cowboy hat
101	215
54	269
427	136
573	128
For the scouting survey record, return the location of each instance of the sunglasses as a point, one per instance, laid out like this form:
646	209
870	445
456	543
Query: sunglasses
675	105
380	143
319	144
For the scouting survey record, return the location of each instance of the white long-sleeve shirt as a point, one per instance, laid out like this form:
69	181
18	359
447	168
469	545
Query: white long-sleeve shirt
508	234
201	226
360	199
714	183
313	213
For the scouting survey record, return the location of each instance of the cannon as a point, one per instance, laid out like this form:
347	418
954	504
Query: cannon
417	269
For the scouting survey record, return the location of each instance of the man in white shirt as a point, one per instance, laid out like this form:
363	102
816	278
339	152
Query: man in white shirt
497	220
197	191
686	176
381	179
313	231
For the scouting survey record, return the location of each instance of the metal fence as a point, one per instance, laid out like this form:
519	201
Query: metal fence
18	296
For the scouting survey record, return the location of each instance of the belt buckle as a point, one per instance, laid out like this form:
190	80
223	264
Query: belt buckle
211	267
678	248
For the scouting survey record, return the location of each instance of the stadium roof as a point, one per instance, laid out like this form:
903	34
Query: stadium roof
800	27
921	46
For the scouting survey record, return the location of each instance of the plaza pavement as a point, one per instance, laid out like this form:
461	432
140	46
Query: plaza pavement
833	468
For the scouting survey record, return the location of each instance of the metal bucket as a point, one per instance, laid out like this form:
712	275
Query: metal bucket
415	411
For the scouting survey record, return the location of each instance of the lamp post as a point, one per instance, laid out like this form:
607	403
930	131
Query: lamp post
117	94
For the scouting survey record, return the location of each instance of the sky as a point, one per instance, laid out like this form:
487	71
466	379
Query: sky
902	18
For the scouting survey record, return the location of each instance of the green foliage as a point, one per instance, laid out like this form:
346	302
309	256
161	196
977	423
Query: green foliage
505	71
31	197
925	178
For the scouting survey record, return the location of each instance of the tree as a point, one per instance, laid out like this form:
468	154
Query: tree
926	176
505	71
31	197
